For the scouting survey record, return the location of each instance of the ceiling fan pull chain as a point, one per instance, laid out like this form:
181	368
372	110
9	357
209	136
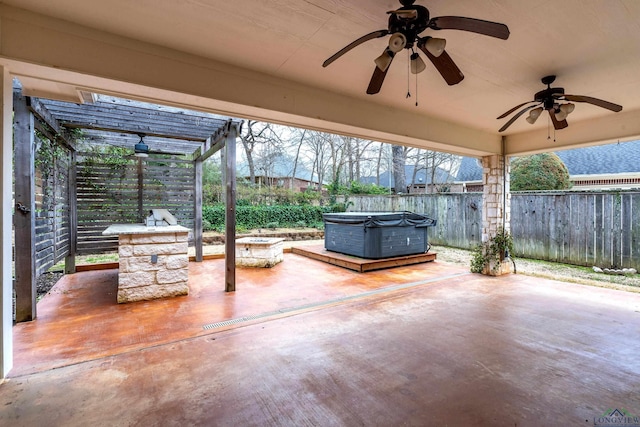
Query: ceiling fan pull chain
409	75
549	128
416	90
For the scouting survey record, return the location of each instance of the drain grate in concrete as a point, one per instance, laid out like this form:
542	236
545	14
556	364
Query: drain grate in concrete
325	302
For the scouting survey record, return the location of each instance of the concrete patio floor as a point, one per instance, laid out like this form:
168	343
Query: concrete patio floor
306	343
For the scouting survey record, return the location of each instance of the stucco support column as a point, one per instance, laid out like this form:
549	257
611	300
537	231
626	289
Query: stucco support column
6	154
496	200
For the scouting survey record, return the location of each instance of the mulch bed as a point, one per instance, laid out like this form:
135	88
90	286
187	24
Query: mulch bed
46	281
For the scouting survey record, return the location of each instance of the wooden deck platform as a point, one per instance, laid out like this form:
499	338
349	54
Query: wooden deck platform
360	265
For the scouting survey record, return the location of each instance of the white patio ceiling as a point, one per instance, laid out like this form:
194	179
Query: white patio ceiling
262	59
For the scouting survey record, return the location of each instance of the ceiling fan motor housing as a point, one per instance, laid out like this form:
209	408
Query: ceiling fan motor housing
548	96
409	27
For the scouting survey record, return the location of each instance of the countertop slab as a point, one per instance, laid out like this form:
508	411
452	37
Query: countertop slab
117	229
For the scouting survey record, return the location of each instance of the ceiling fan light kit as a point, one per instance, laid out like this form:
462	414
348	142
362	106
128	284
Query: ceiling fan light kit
556	102
435	46
534	114
405	26
417	64
397	42
384	61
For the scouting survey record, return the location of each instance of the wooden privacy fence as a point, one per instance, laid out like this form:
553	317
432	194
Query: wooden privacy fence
601	229
459	215
111	191
52	220
582	228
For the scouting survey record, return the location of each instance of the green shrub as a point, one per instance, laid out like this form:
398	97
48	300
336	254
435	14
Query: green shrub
544	171
360	188
272	225
251	217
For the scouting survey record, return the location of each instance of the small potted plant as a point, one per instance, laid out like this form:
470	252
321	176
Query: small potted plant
490	257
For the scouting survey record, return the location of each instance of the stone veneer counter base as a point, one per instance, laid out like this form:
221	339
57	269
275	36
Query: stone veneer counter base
154	261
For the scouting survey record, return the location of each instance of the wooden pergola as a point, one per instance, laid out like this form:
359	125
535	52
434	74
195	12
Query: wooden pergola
166	130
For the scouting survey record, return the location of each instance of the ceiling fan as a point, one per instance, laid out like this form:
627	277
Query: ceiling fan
550	99
405	26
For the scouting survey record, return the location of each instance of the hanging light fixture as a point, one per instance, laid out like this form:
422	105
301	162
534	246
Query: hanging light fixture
534	114
397	42
435	46
417	64
564	110
141	149
383	61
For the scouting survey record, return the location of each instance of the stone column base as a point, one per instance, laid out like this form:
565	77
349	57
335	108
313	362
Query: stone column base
504	267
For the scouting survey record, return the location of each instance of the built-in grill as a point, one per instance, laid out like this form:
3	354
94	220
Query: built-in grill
154	261
160	218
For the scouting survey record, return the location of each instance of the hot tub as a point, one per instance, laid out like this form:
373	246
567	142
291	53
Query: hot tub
376	235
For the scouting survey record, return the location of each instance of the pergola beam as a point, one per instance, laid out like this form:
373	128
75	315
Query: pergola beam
134	119
24	216
127	140
44	116
231	134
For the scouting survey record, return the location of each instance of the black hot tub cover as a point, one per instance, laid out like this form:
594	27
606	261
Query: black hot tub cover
380	219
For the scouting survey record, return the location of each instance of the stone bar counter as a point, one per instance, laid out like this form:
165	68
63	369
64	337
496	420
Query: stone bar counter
154	261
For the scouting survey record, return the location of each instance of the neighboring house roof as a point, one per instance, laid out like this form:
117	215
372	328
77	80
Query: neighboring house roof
470	170
282	167
422	176
623	157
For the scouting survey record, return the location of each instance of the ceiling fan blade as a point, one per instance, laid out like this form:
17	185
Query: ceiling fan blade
488	28
347	48
557	124
503	115
376	80
595	101
444	64
515	117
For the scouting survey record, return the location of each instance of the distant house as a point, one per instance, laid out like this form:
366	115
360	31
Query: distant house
611	166
442	180
604	166
469	178
288	182
279	173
